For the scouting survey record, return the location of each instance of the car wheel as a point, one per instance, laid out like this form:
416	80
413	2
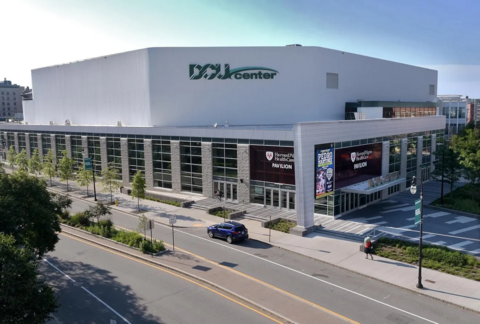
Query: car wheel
229	240
210	233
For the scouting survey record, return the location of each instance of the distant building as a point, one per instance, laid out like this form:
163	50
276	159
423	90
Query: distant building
456	110
475	110
10	100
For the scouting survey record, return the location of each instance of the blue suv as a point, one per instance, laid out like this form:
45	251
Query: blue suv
231	231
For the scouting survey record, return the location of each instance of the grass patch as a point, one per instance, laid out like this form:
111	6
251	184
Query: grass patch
283	225
168	202
434	257
461	199
220	213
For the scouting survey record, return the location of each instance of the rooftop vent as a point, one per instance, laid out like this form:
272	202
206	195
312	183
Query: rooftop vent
52	122
67	122
294	45
119	124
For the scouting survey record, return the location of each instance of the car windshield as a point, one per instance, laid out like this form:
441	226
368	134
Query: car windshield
240	228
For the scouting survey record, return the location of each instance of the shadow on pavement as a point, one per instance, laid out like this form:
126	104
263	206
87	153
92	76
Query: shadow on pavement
447	293
77	306
397	263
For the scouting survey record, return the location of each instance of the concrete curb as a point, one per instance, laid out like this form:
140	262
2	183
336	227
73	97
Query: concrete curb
453	211
246	300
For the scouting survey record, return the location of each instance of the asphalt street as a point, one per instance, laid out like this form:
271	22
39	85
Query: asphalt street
103	287
359	298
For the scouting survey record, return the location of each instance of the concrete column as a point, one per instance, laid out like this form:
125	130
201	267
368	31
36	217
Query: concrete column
176	173
103	152
419	156
403	162
207	170
40	146
27	144
433	149
54	148
68	146
85	146
125	164
243	165
385	165
148	156
17	147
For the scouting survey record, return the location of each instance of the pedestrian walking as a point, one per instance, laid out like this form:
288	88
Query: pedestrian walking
368	247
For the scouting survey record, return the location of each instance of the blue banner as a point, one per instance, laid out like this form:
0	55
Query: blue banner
324	175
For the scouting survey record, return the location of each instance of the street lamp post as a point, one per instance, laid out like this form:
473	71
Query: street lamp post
85	154
443	172
413	190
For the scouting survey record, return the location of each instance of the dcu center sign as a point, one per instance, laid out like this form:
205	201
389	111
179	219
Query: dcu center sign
217	71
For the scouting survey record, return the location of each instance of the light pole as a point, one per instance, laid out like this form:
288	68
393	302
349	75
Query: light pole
443	172
413	190
85	154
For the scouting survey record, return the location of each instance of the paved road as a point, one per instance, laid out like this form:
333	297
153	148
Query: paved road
354	296
130	291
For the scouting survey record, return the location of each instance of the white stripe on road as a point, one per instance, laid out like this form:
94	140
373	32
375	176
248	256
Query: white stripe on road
461	219
116	313
458	246
424	237
434	215
465	229
438	243
475	251
399	209
379	223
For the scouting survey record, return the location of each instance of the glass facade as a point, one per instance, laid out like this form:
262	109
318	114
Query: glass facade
191	166
426	150
114	154
10	140
136	157
46	143
224	158
395	155
60	144
95	152
162	164
77	151
22	143
33	138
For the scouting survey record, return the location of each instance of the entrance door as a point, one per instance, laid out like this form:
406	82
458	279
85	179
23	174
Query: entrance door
228	190
284	200
275	198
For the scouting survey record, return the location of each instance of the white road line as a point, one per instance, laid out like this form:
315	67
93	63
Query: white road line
465	229
436	215
461	219
285	267
438	243
425	237
458	246
372	218
399	209
126	321
379	223
475	251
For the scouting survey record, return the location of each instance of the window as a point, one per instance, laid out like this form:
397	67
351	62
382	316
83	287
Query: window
431	90
332	80
10	140
395	155
191	166
162	164
114	154
94	151
22	144
136	157
33	142
77	151
46	144
224	158
60	145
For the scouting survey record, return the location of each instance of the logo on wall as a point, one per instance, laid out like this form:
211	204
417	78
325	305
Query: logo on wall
353	155
269	155
217	71
272	164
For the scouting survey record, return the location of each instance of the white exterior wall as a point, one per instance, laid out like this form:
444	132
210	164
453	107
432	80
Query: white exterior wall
152	87
99	91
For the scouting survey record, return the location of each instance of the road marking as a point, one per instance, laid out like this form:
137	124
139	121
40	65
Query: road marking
465	229
291	269
397	206
461	219
458	246
475	251
425	237
379	223
170	272
110	308
399	209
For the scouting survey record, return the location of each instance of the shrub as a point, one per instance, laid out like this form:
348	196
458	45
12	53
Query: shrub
65	214
147	247
283	225
105	222
78	219
130	238
168	202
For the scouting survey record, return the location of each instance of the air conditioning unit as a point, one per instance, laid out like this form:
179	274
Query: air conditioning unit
119	124
67	122
52	122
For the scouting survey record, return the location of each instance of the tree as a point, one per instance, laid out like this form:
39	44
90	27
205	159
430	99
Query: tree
110	181
24	299
98	211
143	225
11	156
34	164
65	168
138	187
48	167
22	161
2	170
468	148
447	161
29	213
84	177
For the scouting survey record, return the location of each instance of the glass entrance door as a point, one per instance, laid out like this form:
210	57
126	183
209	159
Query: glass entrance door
275	198
228	190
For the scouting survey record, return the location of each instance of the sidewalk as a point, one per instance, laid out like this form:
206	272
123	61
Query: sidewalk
339	252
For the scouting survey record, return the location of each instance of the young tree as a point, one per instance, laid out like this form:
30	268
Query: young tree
12	156
2	170
65	167
34	164
468	148
29	213
22	161
98	211
138	187
84	177
142	225
448	163
110	181
48	167
25	299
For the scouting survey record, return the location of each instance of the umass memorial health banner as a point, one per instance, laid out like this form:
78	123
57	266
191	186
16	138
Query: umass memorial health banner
324	174
272	164
357	164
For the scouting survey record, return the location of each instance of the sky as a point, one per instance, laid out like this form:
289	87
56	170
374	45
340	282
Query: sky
439	34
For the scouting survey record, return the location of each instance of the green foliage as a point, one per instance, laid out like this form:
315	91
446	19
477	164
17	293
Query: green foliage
98	210
139	187
78	220
147	246
221	213
447	160
65	168
142	224
24	298
109	181
48	167
468	148
84	177
12	156
2	170
283	225
28	212
34	164
22	161
461	199
129	238
168	202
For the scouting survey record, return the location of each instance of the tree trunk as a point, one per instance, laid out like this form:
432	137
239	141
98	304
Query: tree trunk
111	194
87	190
138	204
67	185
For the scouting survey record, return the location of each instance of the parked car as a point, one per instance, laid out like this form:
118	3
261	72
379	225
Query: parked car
231	231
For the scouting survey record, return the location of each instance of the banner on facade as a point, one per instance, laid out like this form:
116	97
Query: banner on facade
324	172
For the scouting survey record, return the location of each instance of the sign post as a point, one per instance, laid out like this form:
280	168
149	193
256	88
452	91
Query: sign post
151	225
418	211
173	220
88	163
